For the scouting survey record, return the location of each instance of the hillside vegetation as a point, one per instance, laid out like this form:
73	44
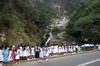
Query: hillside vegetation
24	21
84	24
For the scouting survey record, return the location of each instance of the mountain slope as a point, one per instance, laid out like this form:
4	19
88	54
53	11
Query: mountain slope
85	23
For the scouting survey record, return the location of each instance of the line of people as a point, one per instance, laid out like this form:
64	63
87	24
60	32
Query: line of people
11	54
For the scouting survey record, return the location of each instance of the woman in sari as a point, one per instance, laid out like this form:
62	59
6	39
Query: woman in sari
6	54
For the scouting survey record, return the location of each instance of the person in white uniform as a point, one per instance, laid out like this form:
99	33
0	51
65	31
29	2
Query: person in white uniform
21	52
66	49
1	54
17	56
56	49
28	52
60	50
50	51
44	51
47	52
74	48
32	52
10	57
99	46
69	49
24	53
79	48
41	53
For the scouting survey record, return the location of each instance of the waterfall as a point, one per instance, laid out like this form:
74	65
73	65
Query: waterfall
49	38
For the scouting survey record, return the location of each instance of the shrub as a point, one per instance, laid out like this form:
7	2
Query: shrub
9	21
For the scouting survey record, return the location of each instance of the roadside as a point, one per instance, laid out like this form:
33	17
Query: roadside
51	57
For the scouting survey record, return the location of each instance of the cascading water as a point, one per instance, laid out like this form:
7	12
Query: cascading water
49	38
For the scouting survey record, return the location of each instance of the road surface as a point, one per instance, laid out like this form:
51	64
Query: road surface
87	59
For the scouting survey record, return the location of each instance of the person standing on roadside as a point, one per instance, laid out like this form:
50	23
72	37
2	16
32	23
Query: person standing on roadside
6	54
1	54
37	51
13	53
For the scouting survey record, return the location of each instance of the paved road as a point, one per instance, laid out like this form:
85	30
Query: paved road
94	64
74	60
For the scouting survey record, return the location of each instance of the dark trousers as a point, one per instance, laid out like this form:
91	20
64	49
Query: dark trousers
37	54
